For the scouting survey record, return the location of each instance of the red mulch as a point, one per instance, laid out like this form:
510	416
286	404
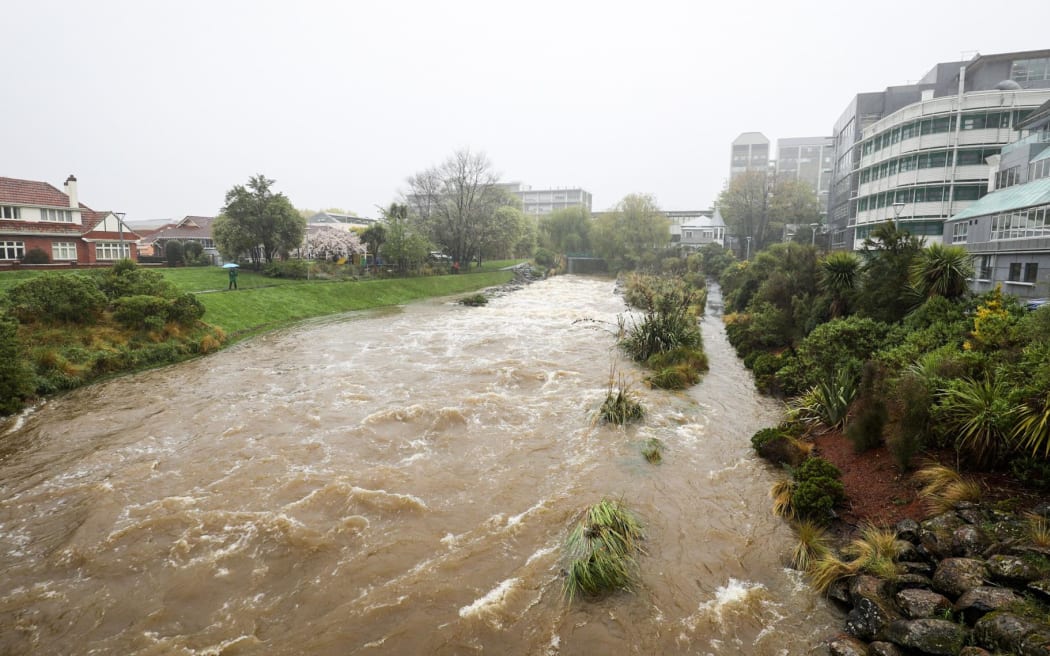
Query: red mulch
878	493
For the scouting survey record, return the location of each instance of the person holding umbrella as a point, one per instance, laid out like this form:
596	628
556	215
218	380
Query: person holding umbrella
232	268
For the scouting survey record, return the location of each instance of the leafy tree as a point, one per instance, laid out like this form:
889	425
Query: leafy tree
257	222
887	253
193	252
506	230
566	230
794	201
940	270
631	234
405	246
755	205
455	203
374	236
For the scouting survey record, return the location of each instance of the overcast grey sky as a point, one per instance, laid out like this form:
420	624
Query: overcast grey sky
159	108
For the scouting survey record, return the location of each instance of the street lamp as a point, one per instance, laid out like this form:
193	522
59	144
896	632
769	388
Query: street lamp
120	230
813	233
897	207
748	256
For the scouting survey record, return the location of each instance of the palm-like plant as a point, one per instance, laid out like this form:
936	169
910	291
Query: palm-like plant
602	550
828	401
839	273
1033	426
980	413
941	270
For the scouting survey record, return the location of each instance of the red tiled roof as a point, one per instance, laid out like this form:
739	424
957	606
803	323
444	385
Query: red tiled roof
12	227
31	192
190	227
91	218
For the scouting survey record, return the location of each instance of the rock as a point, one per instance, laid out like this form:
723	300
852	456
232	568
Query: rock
1036	643
1011	569
1002	631
969	542
955	576
1043	510
918	604
977	602
922	568
846	646
872	608
839	593
929	636
883	649
908	530
974	651
970	514
935	534
1041	588
905	581
908	552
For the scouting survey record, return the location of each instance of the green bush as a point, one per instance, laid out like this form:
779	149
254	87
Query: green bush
56	298
16	378
141	312
817	489
36	256
912	401
174	253
185	309
128	279
293	269
777	446
474	300
869	411
829	348
194	253
816	468
545	258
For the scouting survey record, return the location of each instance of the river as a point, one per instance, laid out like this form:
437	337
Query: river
396	482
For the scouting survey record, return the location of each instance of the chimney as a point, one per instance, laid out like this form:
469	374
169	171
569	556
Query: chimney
71	191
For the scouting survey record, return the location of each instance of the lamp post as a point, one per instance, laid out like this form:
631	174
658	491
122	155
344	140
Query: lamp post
748	255
813	234
897	207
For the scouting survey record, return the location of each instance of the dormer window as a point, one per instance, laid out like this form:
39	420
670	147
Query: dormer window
62	216
10	212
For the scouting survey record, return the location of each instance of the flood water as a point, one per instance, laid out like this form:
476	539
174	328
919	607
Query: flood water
397	482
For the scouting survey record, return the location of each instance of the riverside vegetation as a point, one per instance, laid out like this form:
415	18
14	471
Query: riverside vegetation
59	331
886	348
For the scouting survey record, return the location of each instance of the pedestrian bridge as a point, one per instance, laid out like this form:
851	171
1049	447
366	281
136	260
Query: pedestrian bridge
584	263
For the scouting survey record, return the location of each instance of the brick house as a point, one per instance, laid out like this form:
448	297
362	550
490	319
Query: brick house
37	215
190	228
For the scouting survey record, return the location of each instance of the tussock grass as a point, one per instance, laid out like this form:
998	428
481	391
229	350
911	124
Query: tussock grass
812	545
780	493
620	407
875	552
1038	530
653	451
474	300
602	551
943	488
830	568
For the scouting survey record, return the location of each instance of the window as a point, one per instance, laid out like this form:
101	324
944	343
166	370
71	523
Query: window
984	267
1015	272
1031	272
12	250
968	193
1027	70
111	250
64	250
973	122
10	212
959	231
62	216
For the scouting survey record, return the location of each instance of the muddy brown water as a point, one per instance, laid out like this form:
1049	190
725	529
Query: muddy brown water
395	482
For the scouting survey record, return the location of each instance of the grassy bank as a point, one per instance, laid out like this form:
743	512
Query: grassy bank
250	311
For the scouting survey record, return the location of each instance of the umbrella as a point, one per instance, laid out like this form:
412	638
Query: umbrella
231	265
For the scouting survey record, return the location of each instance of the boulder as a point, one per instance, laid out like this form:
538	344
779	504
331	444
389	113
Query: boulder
908	530
839	593
917	567
969	542
844	645
935	534
909	580
908	552
976	602
1041	588
917	603
1002	631
928	636
1036	643
970	514
872	610
1011	569
883	649
974	651
955	576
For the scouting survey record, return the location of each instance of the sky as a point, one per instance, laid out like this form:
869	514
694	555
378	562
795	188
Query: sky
159	108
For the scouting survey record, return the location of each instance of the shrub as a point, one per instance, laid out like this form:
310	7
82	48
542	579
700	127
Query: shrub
831	347
294	269
602	551
193	252
36	256
676	369
870	414
173	253
827	402
57	297
16	379
141	312
911	415
126	278
980	415
474	300
620	406
817	489
943	488
185	309
779	447
545	258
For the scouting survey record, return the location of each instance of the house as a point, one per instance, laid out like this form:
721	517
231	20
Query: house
36	215
702	230
190	228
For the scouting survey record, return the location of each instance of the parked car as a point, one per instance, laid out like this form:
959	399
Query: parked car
438	256
1036	303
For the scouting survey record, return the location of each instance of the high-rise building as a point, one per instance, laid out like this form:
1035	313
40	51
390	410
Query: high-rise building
540	202
807	159
916	153
750	152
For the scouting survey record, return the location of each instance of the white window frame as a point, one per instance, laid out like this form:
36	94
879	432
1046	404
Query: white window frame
10	212
110	251
64	251
12	250
57	216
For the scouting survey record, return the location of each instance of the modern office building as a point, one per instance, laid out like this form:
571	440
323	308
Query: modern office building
903	124
807	159
1008	230
540	202
750	152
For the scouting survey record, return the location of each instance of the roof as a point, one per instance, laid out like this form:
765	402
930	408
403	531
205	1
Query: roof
1039	117
190	227
31	192
1032	193
1041	156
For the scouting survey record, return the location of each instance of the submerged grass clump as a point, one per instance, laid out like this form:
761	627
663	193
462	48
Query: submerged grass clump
474	300
602	551
653	451
620	406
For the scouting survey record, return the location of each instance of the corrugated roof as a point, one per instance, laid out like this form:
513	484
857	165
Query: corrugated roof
1041	156
1011	198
